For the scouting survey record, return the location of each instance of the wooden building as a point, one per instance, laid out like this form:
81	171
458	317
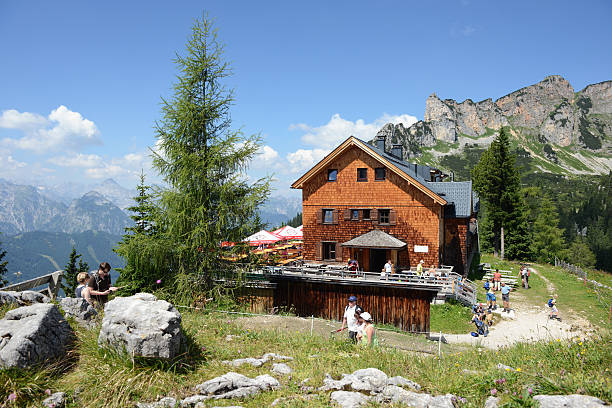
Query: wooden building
359	188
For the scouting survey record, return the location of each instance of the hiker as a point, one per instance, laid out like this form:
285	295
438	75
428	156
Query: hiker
525	277
497	279
99	284
481	327
82	291
554	312
367	336
505	290
419	270
353	265
349	319
360	322
387	270
489	317
491	296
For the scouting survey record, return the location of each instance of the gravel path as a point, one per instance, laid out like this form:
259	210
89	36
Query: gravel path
531	324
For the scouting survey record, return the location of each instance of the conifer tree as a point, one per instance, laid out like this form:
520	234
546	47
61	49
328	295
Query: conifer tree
70	273
497	180
3	268
203	162
548	240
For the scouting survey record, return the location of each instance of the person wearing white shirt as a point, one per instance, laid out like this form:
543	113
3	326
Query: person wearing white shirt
349	319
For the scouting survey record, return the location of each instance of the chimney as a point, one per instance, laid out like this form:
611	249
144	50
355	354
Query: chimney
397	151
380	142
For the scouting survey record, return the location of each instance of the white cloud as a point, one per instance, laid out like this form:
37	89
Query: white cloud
339	129
304	159
267	154
8	163
77	160
63	129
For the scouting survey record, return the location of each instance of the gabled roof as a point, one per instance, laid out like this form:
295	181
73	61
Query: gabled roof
375	239
412	174
458	193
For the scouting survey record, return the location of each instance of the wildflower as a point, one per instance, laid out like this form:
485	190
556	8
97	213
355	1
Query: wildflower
530	390
580	344
518	369
158	281
493	391
12	397
562	373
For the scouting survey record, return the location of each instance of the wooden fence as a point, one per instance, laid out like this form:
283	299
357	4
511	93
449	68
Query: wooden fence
52	280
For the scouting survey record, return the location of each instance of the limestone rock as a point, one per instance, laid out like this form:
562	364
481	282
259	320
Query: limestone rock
257	362
234	385
56	400
281	368
79	309
368	379
33	334
167	402
348	399
395	394
403	382
26	297
192	401
569	401
141	325
7	298
491	402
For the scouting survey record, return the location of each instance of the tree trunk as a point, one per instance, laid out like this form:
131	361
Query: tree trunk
502	243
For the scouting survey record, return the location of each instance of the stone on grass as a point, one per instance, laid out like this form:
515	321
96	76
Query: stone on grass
7	298
281	368
56	400
141	326
257	362
192	401
234	385
491	402
569	401
166	402
501	366
367	379
395	394
79	309
26	297
33	334
348	399
403	382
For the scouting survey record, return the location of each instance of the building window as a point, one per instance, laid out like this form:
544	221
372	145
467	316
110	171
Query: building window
329	251
355	215
383	216
328	216
362	174
379	173
366	214
332	174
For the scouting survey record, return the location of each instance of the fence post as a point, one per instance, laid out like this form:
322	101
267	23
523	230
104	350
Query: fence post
311	324
439	343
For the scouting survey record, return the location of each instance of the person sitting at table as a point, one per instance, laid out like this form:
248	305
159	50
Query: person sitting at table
432	271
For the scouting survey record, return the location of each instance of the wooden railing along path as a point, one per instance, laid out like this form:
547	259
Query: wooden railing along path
53	281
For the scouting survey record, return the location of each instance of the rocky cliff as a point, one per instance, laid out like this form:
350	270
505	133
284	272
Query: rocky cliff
571	131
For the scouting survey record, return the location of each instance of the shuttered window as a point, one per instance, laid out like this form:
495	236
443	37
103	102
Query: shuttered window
328	216
329	251
383	217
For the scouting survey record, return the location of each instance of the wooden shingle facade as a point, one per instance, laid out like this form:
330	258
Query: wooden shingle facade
359	188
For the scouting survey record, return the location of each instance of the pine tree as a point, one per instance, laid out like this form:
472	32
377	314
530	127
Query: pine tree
295	221
3	268
83	266
70	273
143	211
497	180
203	163
580	254
548	240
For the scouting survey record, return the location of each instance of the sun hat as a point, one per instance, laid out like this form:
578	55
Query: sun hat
352	298
366	316
422	261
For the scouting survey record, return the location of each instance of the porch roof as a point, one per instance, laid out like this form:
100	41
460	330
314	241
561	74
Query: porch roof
375	239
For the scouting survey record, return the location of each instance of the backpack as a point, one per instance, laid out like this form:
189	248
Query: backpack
550	302
486	285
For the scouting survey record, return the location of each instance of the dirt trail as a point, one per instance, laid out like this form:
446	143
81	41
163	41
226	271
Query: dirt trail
531	324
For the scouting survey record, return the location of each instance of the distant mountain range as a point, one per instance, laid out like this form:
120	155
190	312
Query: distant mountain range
553	128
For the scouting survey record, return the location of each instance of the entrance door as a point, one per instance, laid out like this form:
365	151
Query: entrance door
377	259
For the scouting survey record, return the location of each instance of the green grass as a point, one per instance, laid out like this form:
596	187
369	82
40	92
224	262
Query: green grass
104	378
450	317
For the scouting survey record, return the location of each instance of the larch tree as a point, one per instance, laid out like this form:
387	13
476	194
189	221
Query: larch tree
497	180
70	273
208	198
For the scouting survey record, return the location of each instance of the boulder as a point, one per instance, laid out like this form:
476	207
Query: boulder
281	368
348	399
141	326
234	385
569	401
167	402
33	334
79	309
403	382
7	298
56	400
368	379
491	402
257	362
395	394
26	297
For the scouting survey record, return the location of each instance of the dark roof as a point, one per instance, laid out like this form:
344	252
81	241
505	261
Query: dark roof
459	195
375	239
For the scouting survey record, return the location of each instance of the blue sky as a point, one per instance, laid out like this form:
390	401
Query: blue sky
81	82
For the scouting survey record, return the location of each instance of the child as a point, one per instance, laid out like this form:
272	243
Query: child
554	313
489	317
491	296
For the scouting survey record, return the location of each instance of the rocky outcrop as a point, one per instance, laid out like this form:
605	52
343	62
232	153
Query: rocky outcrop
257	362
142	326
548	112
79	309
569	401
33	334
56	400
234	385
26	297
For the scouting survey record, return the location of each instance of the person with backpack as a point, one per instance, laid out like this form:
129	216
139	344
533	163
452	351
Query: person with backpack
490	294
99	284
554	312
349	320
